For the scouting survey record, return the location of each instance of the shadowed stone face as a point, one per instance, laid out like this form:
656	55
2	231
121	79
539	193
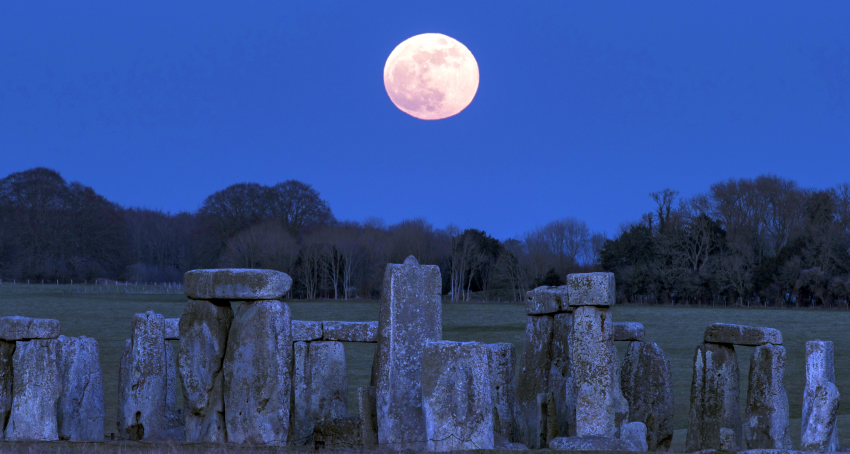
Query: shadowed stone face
16	328
7	351
143	380
648	387
766	423
36	389
628	331
502	362
236	284
591	443
533	378
818	430
319	386
714	397
80	409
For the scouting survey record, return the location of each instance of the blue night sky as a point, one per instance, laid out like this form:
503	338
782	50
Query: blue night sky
582	110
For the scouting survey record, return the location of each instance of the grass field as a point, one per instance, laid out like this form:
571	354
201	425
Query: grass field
677	330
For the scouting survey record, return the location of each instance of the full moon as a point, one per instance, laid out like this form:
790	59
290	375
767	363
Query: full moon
431	76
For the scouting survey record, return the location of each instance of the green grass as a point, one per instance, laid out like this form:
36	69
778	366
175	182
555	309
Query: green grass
677	330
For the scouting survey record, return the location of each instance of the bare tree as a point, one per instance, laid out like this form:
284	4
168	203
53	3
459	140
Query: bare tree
298	206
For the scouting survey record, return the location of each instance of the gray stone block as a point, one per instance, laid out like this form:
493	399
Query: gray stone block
628	331
766	413
80	409
647	385
547	300
728	440
635	433
592	353
723	333
16	328
561	383
502	443
456	399
7	352
820	369
714	397
143	381
410	316
533	379
591	289
258	374
502	359
171	326
591	443
319	387
818	432
350	331
303	331
203	331
37	385
368	416
236	284
339	433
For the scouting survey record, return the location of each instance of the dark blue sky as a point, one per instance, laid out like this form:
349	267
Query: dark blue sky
582	110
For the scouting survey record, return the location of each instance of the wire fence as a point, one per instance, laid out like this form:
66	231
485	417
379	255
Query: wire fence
103	286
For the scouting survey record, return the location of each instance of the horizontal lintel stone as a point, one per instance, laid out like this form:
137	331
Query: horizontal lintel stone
304	331
547	300
350	331
723	333
591	289
628	331
16	328
171	328
236	284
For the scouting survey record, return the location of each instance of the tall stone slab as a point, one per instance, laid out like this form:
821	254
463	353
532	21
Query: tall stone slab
143	381
203	330
533	379
818	431
502	360
7	352
80	410
648	388
258	374
456	396
560	375
820	369
593	360
410	316
766	414
319	387
37	385
714	397
368	415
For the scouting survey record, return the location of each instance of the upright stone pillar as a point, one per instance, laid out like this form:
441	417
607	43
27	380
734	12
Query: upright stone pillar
502	361
319	387
533	378
766	420
410	316
7	351
714	397
648	387
36	389
820	369
819	429
142	381
561	383
80	408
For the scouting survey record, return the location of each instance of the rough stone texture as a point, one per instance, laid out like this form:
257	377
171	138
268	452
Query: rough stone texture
648	388
547	300
818	432
368	415
37	385
341	432
723	333
7	352
303	331
170	381
16	328
628	331
621	405
591	289
714	397
318	387
727	440
547	418
502	360
142	381
203	339
635	433
80	409
766	414
350	331
593	359
456	399
258	374
820	369
560	376
172	328
502	443
533	377
410	316
236	284
591	443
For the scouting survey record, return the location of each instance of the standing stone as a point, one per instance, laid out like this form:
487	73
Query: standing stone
648	387
203	329
547	300
368	415
502	359
456	398
236	284
560	376
621	405
714	397
7	352
258	374
410	316
171	327
533	377
80	410
142	381
337	433
15	328
593	365
591	289
766	420
318	387
37	385
819	429
635	433
820	369
174	424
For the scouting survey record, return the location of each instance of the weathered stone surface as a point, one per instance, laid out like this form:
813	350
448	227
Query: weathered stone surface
502	443
818	432
621	405
350	331
171	326
593	367
535	366
820	369
143	381
628	331
714	397
343	432
456	396
591	443
236	284
591	289
16	328
368	415
303	331
7	352
635	433
547	300
258	374
502	359
560	376
410	316
80	408
728	440
170	383
766	413
319	385
203	331
648	388
547	418
723	333
37	385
